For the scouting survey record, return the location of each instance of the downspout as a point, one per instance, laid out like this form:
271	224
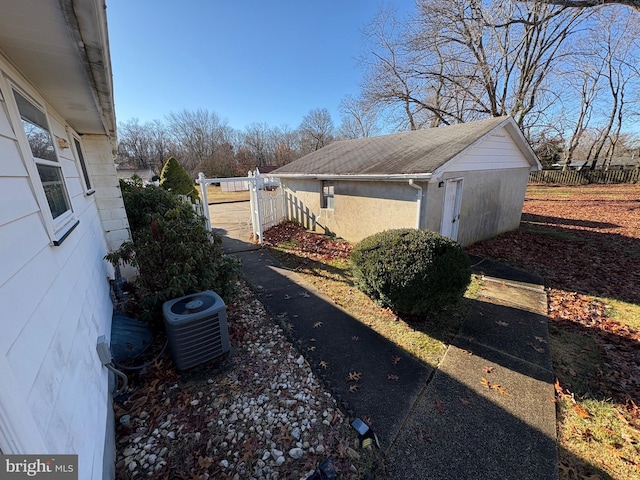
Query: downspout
418	202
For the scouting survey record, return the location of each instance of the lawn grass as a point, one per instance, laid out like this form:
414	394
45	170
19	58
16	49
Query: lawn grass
586	239
216	195
426	339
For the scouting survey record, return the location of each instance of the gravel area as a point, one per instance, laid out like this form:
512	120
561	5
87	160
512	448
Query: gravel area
260	413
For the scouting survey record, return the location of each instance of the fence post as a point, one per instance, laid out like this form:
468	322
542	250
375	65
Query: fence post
205	203
254	202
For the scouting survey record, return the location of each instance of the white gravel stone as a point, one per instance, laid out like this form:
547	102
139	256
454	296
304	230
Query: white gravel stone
296	453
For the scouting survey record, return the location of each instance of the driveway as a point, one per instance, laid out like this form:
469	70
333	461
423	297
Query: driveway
232	221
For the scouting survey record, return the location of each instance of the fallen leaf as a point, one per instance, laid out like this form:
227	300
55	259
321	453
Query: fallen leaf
540	339
205	462
487	369
395	360
317	325
537	349
495	387
464	401
324	364
439	406
355	338
502	324
581	411
353	388
354	376
393	377
559	390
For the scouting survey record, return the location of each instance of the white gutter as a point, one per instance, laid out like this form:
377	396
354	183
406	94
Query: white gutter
398	177
418	202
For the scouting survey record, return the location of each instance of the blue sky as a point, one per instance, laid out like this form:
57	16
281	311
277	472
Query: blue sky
246	60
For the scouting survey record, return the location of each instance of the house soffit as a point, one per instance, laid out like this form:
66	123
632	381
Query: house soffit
61	48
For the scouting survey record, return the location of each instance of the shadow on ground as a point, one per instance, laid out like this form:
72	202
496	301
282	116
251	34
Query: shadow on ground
484	414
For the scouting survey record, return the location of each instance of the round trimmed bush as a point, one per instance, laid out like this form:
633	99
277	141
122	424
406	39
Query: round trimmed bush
411	271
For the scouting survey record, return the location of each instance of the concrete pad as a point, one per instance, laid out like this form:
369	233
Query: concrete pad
514	331
460	428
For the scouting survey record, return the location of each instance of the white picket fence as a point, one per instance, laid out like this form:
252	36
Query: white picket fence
267	205
272	207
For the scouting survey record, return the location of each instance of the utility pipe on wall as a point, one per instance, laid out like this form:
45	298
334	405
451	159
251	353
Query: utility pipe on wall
418	202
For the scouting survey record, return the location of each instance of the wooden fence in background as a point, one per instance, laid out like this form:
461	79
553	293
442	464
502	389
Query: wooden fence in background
583	177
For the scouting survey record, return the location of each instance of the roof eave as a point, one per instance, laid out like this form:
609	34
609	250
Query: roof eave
399	177
87	23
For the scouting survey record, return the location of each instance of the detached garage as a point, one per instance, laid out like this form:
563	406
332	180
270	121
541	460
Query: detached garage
465	181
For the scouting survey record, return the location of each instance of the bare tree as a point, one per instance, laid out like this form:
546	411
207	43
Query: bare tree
199	134
359	118
615	47
316	130
634	4
135	144
287	146
465	59
258	138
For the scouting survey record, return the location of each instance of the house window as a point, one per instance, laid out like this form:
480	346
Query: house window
327	194
44	155
83	165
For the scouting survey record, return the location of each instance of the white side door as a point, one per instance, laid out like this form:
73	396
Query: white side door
451	208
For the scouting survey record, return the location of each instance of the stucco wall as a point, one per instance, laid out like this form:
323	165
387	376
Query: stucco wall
360	208
55	303
491	203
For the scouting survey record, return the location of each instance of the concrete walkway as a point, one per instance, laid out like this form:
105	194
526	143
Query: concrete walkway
489	411
486	412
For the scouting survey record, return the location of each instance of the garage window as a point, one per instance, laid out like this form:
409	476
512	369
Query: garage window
327	194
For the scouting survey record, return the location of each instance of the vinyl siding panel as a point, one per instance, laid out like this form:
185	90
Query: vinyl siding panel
56	303
493	152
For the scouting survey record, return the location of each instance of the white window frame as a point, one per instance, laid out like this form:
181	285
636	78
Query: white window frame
81	161
327	200
60	227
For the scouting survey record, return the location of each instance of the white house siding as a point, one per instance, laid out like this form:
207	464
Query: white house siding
55	303
492	152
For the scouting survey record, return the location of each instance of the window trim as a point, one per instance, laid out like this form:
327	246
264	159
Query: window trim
81	163
60	227
327	200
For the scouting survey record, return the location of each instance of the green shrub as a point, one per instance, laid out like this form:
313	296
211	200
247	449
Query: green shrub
411	271
175	178
174	253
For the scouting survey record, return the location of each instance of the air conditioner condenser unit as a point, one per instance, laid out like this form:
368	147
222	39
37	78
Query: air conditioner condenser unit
196	328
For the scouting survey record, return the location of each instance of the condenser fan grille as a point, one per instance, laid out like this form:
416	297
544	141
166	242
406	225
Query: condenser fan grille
196	328
192	304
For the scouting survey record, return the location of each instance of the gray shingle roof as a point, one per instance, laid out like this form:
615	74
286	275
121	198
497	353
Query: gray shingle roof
415	152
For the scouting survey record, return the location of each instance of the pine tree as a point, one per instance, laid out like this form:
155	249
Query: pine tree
176	179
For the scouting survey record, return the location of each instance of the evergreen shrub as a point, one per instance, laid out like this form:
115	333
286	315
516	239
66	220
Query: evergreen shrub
175	178
172	249
411	271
